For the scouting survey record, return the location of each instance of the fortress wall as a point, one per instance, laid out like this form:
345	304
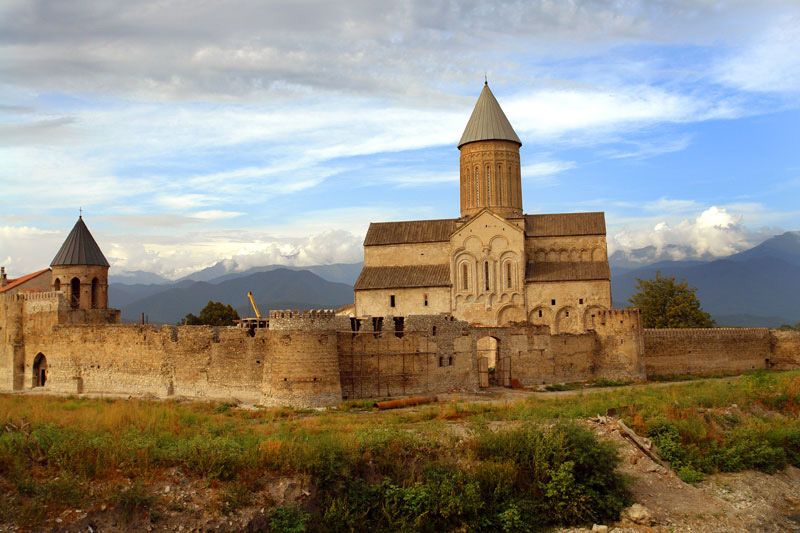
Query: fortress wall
555	359
302	370
620	344
705	351
196	361
785	349
11	341
382	364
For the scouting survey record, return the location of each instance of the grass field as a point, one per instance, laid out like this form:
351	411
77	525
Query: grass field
489	466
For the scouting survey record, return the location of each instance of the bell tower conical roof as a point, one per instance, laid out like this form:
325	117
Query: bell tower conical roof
488	122
80	248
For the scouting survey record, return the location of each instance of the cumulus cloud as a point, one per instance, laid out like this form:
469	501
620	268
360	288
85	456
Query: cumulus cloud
714	232
249	249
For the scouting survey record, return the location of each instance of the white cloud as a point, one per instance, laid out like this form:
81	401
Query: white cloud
548	114
768	63
546	168
714	232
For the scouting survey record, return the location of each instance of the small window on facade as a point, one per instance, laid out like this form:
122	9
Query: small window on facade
540	313
425	300
450	361
486	274
441	361
377	323
567	313
464	276
580	301
433	331
391	300
488	185
508	276
552	302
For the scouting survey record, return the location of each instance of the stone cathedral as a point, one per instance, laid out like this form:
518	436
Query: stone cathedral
494	265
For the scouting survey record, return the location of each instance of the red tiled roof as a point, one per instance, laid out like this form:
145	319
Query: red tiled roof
19	281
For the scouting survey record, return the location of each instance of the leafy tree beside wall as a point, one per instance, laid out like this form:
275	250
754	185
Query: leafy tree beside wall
666	303
213	314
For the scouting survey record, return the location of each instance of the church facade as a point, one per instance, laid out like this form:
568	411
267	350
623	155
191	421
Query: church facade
494	265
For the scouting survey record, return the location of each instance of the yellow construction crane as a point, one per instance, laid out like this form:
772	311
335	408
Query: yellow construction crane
251	324
253	303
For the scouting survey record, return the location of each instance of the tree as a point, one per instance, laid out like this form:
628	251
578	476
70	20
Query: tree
665	303
788	327
213	314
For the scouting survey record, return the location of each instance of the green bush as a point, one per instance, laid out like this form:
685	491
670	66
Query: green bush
288	520
689	475
567	474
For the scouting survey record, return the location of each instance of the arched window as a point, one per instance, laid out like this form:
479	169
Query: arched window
464	277
500	184
509	279
95	293
488	185
486	275
75	293
477	187
511	195
57	285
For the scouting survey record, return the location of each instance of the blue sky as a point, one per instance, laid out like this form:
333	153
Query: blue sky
274	132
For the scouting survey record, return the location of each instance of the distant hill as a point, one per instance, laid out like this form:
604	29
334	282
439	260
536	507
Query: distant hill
337	273
280	288
225	270
137	277
757	287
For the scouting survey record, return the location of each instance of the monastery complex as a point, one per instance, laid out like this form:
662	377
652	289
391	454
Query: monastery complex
493	298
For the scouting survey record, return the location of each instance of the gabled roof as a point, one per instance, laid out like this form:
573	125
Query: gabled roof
488	122
567	271
407	232
80	248
400	277
563	224
12	283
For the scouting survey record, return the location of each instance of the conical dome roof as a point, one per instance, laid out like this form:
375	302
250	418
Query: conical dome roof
488	122
80	248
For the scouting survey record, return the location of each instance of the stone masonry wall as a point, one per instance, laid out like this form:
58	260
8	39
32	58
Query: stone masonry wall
705	351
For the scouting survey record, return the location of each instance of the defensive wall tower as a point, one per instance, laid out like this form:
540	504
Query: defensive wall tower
80	270
490	173
303	368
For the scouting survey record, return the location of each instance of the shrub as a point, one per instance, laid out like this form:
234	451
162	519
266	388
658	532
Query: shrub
568	474
133	500
288	520
689	475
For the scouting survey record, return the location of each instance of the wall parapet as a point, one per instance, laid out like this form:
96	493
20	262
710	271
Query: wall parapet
308	313
705	332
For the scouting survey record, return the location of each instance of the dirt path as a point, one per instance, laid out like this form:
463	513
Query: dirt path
743	501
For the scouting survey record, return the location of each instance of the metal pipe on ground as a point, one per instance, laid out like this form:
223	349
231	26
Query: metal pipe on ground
406	402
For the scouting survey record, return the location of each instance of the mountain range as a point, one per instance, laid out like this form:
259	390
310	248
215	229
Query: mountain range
278	288
756	287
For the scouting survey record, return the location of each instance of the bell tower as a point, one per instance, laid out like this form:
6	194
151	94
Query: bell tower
490	172
80	270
